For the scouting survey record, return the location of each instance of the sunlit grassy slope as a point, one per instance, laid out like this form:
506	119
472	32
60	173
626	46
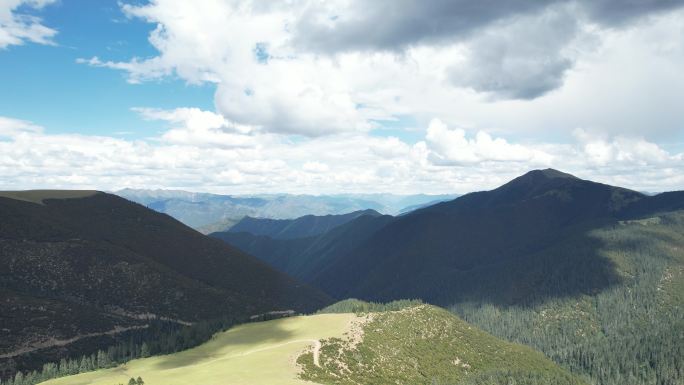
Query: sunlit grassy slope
37	196
256	353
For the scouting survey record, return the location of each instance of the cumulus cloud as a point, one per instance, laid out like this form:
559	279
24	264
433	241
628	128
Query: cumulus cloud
394	25
17	28
447	160
452	147
628	151
520	58
325	68
337	26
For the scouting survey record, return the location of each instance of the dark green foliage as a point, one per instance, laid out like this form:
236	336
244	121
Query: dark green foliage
631	333
86	266
302	227
306	258
423	344
161	338
513	377
354	305
565	265
426	254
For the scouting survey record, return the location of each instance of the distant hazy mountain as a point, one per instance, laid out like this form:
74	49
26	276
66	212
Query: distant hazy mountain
211	212
302	227
83	263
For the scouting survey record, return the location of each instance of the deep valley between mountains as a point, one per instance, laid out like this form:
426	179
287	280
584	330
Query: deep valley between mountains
547	279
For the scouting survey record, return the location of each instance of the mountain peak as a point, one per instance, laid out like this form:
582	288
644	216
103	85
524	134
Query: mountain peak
536	178
549	173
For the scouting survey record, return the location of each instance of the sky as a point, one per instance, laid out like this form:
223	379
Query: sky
339	96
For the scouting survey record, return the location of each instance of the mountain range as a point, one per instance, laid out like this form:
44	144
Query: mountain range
587	273
213	212
461	248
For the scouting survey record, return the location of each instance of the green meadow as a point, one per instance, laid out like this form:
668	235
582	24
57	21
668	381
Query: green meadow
255	353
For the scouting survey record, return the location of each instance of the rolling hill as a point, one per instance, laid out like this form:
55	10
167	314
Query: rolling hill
82	265
410	344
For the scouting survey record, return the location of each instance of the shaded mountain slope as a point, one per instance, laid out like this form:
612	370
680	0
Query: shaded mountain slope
117	264
422	253
305	258
629	333
302	227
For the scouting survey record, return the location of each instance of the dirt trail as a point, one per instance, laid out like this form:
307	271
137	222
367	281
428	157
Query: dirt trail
317	353
51	342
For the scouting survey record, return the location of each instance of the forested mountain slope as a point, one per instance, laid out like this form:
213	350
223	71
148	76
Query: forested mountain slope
468	246
302	227
592	275
628	333
91	263
305	258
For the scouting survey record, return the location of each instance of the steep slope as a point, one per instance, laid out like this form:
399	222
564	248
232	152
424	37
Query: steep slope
435	252
92	263
305	258
302	227
629	333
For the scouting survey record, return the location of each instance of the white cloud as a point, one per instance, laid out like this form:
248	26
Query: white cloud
523	57
273	72
629	151
16	28
192	126
448	160
13	127
452	147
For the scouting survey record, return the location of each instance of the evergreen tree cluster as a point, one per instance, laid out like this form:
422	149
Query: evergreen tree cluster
631	333
160	338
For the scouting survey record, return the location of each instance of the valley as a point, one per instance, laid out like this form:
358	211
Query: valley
546	279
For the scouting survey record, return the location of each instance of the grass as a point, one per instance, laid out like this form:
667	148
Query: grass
255	353
37	196
424	344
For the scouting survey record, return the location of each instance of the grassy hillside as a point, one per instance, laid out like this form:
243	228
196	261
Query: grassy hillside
423	344
75	266
251	354
404	342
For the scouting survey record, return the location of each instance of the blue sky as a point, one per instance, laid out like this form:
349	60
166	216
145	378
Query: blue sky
44	84
432	96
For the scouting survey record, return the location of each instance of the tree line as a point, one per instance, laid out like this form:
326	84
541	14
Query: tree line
162	337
